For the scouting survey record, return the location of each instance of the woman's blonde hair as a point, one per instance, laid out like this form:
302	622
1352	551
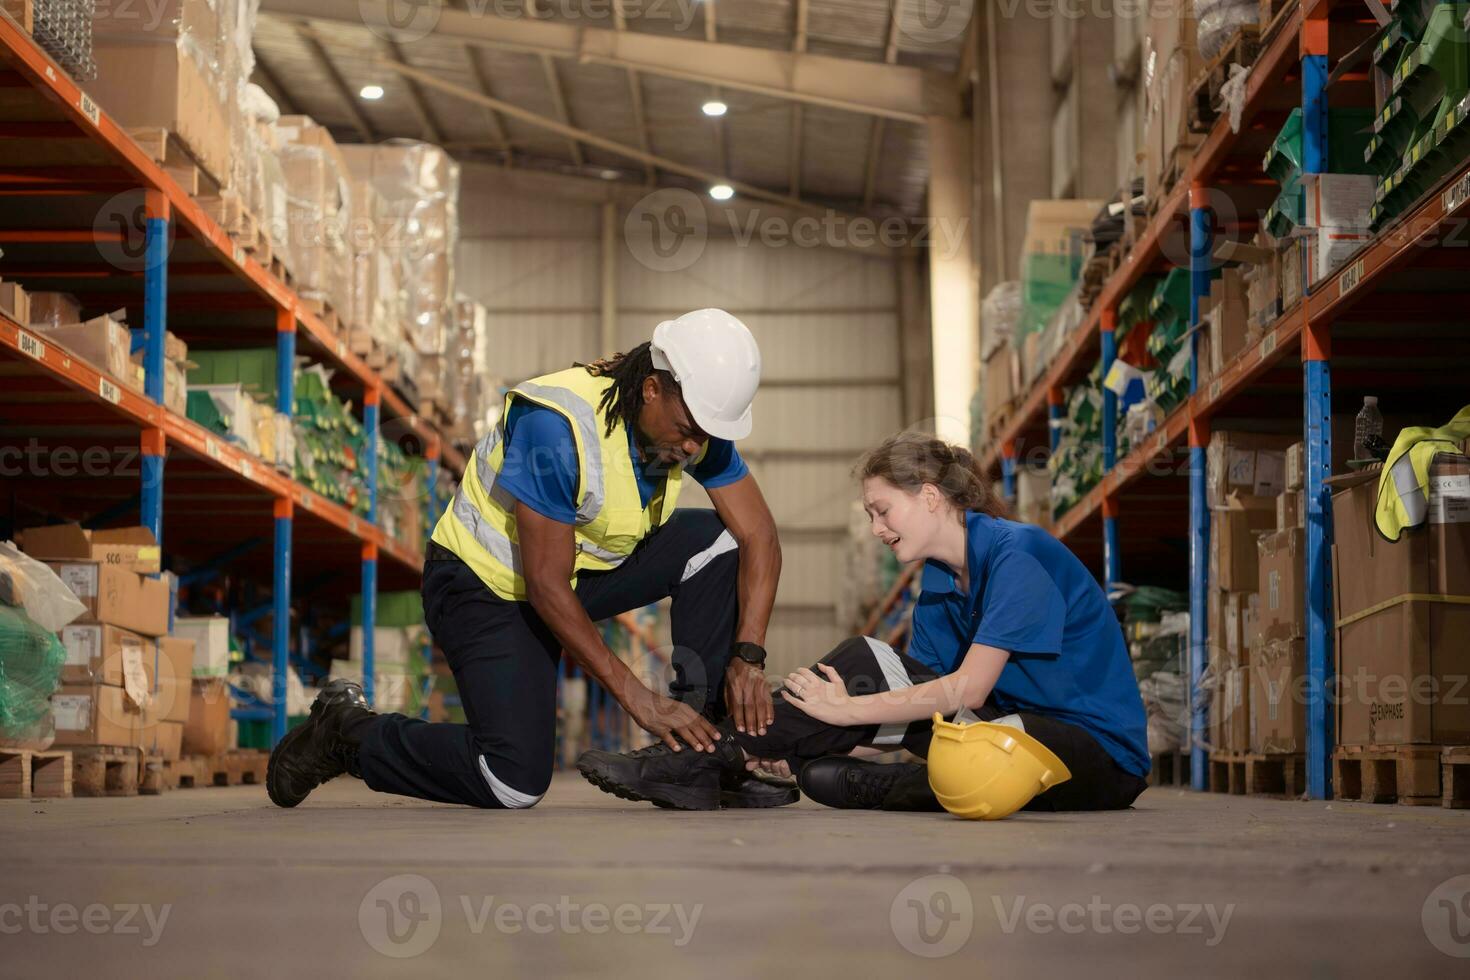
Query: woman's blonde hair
911	459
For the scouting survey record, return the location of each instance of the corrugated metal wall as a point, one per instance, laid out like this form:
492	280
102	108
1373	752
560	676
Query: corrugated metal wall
827	322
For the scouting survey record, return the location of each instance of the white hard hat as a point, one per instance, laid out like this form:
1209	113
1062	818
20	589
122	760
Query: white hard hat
718	366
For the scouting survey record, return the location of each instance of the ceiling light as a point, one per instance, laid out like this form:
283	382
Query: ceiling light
609	174
722	192
714	107
371	93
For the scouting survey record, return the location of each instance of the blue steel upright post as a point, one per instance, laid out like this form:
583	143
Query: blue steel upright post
1055	409
1008	471
370	408
1199	510
1112	558
155	326
1317	414
284	525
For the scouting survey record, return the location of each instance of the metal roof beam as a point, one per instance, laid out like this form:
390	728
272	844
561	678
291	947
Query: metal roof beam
889	90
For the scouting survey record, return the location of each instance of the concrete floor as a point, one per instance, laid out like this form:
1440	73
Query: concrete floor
585	884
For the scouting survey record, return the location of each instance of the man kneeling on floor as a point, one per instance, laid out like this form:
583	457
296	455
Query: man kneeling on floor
566	516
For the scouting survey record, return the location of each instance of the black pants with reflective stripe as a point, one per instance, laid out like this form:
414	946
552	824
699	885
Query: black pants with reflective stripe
506	662
869	666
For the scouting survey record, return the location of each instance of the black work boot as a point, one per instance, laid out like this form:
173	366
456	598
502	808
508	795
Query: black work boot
318	749
683	780
755	790
854	784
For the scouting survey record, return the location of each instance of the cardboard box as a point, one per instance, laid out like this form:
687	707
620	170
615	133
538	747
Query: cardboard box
98	654
101	341
1002	379
1240	614
95	714
180	96
54	309
172	691
1289	513
14	303
391	644
1283	585
211	638
1234	561
132	548
1245	463
1328	249
1215	632
116	596
1402	675
1229	318
1292	281
1278	696
164	739
207	732
1296	466
1338	200
1402	658
1218	731
1432	559
1238	709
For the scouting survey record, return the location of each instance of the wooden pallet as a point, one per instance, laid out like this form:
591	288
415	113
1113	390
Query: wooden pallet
996	422
325	311
158	775
1454	769
27	774
1273	14
1175	169
366	346
165	149
1406	774
105	772
1202	107
1169	769
237	767
23	12
1097	271
1258	774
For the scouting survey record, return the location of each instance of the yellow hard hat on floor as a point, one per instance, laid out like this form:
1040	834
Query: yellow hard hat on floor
984	771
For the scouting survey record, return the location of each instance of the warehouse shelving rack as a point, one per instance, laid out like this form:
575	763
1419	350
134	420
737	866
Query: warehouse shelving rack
84	210
1391	321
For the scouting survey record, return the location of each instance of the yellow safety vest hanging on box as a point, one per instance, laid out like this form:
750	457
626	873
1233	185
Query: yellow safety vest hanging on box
480	524
1403	486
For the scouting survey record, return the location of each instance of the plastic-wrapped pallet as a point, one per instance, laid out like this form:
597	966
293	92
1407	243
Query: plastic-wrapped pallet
419	187
364	312
261	181
999	315
1220	19
466	370
319	210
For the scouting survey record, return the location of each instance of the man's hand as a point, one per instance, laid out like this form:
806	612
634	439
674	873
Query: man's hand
670	720
748	697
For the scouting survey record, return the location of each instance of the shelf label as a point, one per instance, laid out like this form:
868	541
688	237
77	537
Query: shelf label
51	73
352	525
1457	194
1162	442
306	501
32	346
1268	345
212	449
246	470
108	391
1350	278
341	351
239	256
89	109
1215	387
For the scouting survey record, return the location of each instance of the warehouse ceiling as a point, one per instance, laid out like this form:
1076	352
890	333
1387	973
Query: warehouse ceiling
826	98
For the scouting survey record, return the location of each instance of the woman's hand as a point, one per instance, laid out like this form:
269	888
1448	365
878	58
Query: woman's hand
825	700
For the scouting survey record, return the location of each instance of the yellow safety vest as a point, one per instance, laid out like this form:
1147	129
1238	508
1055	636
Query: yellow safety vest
480	524
1403	486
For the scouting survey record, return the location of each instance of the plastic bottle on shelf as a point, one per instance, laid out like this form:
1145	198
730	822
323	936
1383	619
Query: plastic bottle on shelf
1369	428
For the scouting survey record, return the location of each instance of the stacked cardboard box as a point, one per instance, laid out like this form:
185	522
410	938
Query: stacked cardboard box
1171	62
105	342
114	660
1401	614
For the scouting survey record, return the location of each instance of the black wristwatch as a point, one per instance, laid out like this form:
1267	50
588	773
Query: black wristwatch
751	653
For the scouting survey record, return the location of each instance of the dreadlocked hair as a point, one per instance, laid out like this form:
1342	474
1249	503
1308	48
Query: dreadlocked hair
622	401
